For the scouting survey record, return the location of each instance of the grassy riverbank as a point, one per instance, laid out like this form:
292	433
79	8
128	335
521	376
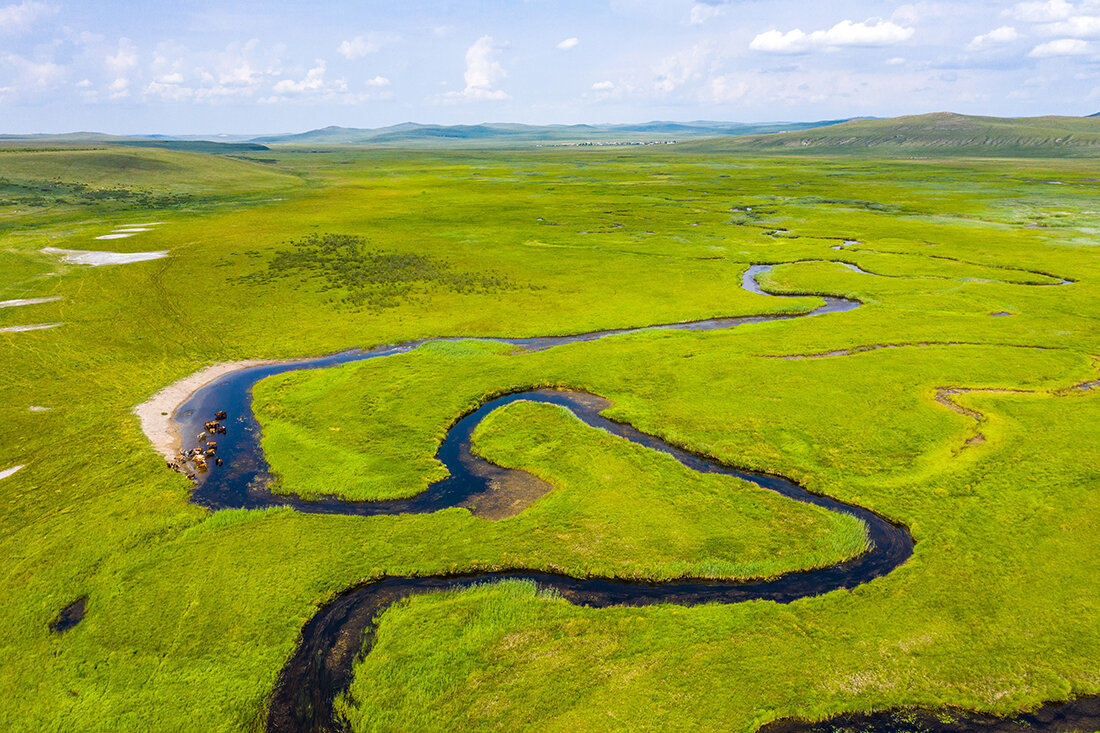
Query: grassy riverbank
190	616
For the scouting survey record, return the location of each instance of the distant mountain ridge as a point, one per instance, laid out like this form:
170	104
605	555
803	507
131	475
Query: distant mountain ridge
511	133
937	134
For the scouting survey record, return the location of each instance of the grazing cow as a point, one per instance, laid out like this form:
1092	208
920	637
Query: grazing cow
201	437
191	476
211	446
219	415
221	430
218	461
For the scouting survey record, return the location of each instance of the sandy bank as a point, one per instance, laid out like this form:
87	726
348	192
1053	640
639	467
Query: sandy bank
156	413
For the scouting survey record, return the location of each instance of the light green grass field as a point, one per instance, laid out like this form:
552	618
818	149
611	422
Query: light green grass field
190	616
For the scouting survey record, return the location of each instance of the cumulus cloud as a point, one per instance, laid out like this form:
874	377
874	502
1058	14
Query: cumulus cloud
483	73
603	86
844	33
997	36
689	65
32	75
356	48
124	59
1061	47
568	43
726	89
1075	26
1042	12
378	81
702	12
19	18
314	83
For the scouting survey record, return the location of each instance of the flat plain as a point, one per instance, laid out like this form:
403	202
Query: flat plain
959	401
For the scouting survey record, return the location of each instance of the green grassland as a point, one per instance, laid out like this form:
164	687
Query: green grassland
191	615
935	135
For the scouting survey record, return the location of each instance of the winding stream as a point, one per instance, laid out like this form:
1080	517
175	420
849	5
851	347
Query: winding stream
322	665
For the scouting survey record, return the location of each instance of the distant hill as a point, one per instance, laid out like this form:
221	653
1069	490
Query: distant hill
939	134
84	139
512	134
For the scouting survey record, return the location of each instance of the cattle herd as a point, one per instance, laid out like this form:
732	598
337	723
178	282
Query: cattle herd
195	461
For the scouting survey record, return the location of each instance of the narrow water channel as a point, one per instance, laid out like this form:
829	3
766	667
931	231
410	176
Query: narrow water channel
321	668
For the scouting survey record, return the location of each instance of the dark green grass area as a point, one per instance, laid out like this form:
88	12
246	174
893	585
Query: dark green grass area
369	277
191	615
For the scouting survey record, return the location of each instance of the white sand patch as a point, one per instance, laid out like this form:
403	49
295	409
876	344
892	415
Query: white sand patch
38	408
155	414
27	301
88	257
31	327
114	236
132	230
9	471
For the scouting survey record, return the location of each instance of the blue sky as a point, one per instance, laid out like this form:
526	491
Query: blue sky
254	67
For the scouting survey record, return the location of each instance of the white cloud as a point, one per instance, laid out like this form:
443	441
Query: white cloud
844	33
997	36
378	81
356	48
603	86
1061	47
483	73
124	59
84	84
32	75
726	89
568	43
1075	26
678	69
896	61
313	83
1042	12
702	12
119	88
19	18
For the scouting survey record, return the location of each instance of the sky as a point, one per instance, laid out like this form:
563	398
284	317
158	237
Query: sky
242	67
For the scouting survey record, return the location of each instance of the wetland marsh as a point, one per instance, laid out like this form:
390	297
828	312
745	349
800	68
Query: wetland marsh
190	613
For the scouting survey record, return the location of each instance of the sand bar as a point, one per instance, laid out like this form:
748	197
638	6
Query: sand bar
27	301
89	257
160	428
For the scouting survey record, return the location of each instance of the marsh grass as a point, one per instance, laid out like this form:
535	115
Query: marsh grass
369	277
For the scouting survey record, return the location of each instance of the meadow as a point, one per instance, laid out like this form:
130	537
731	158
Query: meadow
984	277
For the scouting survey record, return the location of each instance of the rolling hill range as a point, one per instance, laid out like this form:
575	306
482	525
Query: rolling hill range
412	133
939	134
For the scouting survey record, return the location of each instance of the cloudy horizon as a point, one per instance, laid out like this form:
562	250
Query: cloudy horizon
242	67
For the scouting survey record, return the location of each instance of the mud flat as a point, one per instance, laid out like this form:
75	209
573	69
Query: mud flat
95	259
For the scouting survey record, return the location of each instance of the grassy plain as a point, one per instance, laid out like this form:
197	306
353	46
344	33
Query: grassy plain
191	615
